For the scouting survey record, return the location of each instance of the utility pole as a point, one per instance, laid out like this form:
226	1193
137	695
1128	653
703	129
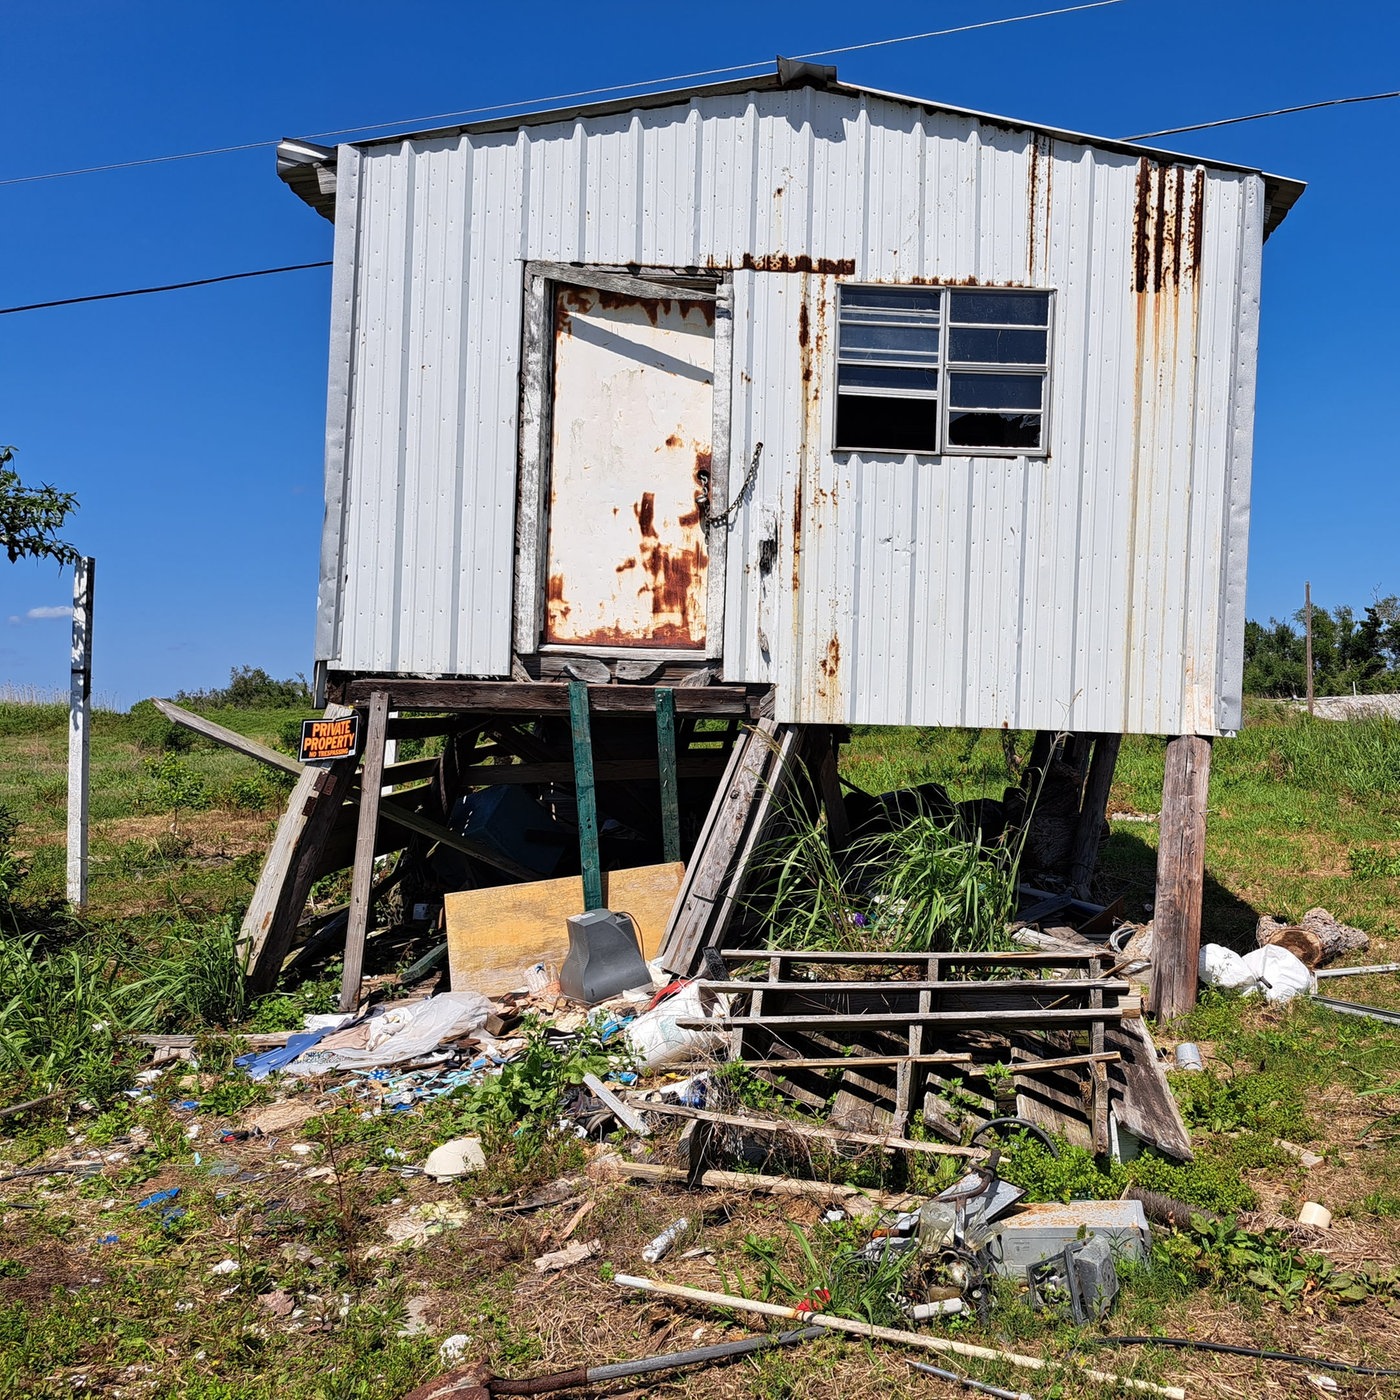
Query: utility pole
1307	622
79	732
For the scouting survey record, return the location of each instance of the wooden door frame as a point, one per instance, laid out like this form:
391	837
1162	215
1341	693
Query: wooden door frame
537	431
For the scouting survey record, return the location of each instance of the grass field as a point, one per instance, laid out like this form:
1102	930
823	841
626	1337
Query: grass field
99	1296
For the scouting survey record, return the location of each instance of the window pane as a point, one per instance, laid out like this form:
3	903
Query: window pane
886	303
995	390
886	425
1001	308
874	342
996	347
887	379
994	430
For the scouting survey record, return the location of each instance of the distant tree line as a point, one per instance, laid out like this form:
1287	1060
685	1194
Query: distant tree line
1349	652
250	688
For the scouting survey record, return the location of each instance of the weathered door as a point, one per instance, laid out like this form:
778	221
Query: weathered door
632	414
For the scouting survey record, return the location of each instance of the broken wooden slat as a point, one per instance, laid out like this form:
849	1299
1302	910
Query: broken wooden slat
622	1111
605	770
692	917
807	1130
362	875
934	1058
1059	1016
1014	986
230	738
1142	1099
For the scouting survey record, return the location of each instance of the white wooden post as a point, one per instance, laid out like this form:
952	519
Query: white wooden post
79	731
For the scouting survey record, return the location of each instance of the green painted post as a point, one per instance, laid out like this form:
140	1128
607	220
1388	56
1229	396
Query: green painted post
587	797
666	761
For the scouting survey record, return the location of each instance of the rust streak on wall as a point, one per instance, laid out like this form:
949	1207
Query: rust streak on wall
798	262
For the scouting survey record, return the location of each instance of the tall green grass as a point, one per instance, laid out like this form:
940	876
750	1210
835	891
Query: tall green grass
930	885
71	997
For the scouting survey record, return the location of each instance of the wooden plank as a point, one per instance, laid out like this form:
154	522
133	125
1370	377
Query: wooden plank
622	1111
362	874
1142	1099
585	796
80	731
719	838
1028	986
291	867
666	762
841	959
229	738
810	1130
940	1057
543	697
882	1020
623	283
1084	851
1181	856
391	811
605	770
495	935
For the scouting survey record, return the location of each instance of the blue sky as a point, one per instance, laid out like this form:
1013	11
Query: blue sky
190	425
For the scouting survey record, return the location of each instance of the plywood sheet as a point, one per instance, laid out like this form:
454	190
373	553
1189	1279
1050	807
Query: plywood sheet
495	935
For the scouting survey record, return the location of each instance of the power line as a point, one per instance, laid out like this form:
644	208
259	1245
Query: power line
545	102
166	287
1259	116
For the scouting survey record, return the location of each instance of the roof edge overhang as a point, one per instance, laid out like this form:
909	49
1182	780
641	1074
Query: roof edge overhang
310	169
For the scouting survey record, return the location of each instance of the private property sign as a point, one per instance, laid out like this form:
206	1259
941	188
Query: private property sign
324	740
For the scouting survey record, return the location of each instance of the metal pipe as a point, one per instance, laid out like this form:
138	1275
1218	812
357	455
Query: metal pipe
970	1383
701	1356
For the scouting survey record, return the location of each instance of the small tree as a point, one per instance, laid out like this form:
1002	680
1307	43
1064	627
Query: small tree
32	516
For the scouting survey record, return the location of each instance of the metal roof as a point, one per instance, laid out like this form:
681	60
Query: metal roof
310	169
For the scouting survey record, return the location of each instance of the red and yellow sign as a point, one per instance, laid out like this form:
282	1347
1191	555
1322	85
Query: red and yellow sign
323	740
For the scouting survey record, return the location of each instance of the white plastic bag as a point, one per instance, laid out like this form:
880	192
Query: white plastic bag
658	1040
1271	969
1219	967
1279	974
421	1029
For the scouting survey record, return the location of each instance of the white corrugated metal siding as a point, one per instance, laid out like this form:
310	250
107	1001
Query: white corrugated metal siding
1087	589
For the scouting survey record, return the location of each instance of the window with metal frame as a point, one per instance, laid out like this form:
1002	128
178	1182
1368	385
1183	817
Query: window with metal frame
942	369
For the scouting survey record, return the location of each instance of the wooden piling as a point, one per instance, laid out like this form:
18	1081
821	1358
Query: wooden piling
1180	875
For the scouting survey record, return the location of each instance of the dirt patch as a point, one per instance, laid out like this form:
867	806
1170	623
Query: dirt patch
210	834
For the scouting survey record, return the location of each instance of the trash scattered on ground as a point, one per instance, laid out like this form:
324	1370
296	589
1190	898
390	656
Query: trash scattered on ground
567	1257
1311	1213
459	1157
454	1348
663	1244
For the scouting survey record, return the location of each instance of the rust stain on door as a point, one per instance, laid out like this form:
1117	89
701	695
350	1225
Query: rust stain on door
630	462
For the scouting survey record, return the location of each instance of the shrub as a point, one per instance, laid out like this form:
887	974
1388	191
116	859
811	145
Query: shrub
153	732
251	688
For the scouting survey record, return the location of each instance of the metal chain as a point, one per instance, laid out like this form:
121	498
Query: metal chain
727	516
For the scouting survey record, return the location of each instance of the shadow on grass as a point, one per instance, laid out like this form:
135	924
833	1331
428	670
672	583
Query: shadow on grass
1128	866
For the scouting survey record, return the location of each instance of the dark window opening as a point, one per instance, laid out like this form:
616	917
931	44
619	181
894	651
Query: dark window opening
933	369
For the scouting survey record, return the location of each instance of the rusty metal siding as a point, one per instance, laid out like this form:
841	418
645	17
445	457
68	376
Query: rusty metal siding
1083	589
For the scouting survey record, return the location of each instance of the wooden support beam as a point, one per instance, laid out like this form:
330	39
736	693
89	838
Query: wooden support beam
666	764
1181	856
292	864
585	796
230	738
544	697
1084	852
362	875
605	770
